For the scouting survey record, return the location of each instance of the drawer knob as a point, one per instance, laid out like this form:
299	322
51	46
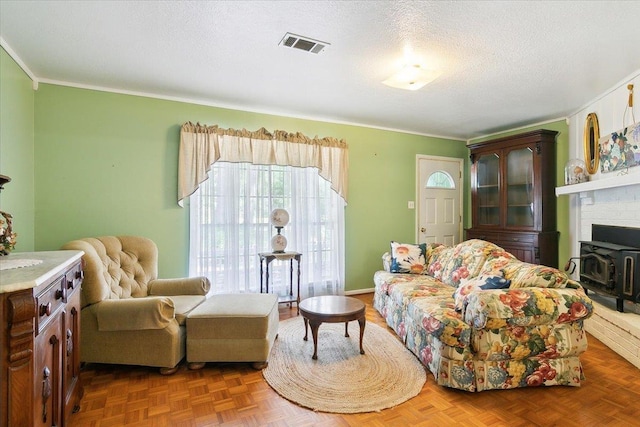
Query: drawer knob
69	284
61	293
45	309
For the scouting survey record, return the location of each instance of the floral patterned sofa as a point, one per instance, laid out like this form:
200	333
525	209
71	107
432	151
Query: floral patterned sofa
479	319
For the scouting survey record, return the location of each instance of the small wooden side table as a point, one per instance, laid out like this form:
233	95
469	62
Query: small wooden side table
332	309
265	261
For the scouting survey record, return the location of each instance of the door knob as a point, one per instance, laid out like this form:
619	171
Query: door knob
423	230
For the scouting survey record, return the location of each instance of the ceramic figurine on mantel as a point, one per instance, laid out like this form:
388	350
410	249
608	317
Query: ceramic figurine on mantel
279	218
7	236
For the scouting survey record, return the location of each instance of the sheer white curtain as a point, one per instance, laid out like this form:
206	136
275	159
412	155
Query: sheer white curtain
236	178
229	223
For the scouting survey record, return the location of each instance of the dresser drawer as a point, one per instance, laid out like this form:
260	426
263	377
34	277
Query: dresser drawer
518	238
73	280
503	237
49	301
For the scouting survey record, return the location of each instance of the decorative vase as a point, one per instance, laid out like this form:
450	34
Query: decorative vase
575	172
7	236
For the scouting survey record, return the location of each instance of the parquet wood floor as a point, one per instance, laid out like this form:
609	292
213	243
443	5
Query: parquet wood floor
236	395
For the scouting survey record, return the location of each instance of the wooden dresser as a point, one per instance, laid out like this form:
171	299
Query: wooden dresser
39	339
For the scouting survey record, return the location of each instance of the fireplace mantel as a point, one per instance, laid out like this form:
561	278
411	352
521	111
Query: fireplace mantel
599	184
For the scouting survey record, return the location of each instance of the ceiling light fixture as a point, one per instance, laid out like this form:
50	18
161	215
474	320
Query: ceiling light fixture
412	77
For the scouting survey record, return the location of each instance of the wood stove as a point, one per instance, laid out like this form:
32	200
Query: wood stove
610	263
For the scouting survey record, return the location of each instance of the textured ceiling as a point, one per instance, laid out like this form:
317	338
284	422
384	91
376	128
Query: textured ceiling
505	64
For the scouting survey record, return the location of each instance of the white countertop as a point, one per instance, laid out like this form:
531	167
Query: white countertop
53	263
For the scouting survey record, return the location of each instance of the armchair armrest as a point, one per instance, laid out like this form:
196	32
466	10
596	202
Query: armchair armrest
184	286
134	314
495	308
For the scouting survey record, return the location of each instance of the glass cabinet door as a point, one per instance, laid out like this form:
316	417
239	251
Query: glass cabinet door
488	190
519	188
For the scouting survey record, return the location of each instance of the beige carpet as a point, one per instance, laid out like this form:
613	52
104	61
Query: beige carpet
342	380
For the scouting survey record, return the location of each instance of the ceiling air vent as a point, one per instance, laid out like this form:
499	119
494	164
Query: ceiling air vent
303	43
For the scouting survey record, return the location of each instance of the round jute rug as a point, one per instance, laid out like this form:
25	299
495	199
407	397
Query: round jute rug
342	380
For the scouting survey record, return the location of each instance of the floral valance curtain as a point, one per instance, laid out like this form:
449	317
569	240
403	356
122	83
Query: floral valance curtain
201	146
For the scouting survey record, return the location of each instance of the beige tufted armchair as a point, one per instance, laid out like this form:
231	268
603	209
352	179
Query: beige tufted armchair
129	316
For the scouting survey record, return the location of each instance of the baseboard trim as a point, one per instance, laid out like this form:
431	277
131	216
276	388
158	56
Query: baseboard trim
360	291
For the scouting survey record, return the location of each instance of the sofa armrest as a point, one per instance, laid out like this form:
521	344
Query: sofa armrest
133	314
386	261
185	286
495	308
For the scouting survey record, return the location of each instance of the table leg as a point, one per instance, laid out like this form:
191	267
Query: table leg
306	323
362	321
298	295
261	275
346	329
291	281
314	332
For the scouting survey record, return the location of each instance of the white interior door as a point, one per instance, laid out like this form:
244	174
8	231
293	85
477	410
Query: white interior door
439	199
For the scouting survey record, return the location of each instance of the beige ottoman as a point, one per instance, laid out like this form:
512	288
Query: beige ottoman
232	328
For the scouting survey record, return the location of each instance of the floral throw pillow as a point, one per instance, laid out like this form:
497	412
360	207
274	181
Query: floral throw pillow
408	258
480	282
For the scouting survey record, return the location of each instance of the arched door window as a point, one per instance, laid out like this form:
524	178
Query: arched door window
440	179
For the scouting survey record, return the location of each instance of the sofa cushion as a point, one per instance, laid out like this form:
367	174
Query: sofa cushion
385	281
496	261
478	283
403	287
408	258
430	250
465	260
497	308
402	293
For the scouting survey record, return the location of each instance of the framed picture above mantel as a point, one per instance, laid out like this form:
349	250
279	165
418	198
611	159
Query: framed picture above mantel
620	150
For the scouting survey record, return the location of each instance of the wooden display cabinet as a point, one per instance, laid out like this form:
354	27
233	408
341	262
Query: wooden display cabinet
513	201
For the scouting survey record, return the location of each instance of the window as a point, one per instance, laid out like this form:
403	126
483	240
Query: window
440	179
230	226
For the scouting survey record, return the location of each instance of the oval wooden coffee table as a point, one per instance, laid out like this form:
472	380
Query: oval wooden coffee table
331	309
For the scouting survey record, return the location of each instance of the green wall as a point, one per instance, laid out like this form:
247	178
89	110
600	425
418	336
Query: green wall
562	203
17	149
107	164
88	163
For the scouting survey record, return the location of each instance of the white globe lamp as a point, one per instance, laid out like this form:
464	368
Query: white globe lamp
279	218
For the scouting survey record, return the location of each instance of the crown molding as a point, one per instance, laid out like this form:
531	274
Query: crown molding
12	53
